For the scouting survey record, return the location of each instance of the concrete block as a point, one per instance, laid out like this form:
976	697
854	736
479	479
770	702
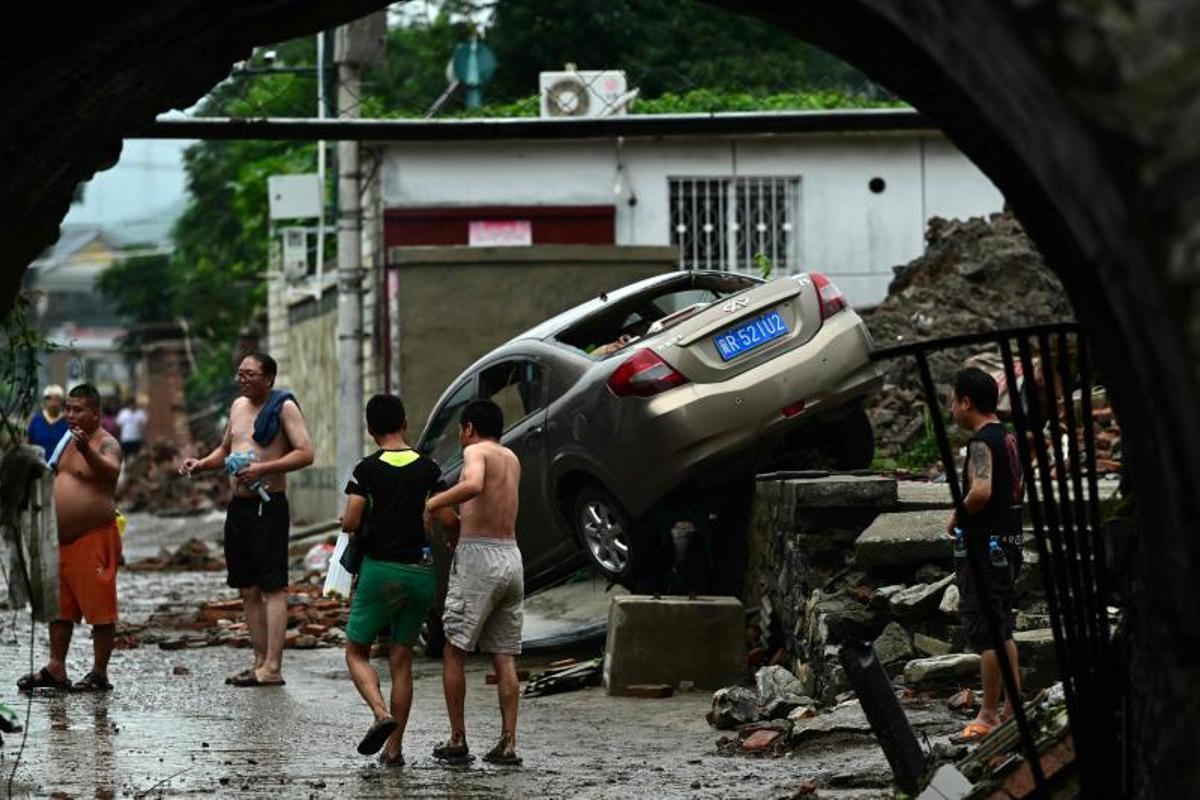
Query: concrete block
941	669
947	784
918	601
931	646
673	639
918	495
908	537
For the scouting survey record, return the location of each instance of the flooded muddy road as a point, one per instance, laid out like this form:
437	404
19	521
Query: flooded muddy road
171	727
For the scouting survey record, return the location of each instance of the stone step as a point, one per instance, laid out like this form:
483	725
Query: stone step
903	538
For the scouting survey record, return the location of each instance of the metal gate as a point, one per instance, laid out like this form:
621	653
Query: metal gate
1047	369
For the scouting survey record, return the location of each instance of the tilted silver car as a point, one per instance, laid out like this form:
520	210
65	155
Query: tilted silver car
616	404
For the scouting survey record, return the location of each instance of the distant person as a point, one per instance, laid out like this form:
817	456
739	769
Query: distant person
108	421
265	439
132	422
89	545
484	601
990	536
49	425
396	582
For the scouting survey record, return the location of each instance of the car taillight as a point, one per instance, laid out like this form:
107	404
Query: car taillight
830	296
644	374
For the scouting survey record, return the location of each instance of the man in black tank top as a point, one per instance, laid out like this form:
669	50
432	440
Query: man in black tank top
991	536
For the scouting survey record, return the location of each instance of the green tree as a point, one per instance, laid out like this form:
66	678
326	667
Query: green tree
663	46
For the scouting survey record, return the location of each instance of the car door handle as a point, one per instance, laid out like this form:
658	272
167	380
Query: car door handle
535	432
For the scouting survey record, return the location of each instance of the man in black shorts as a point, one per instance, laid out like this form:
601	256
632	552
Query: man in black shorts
991	536
266	438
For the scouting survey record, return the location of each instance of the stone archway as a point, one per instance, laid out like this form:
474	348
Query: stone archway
1084	114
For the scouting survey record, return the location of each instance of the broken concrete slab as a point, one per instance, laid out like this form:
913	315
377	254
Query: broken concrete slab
779	692
847	718
917	602
949	604
904	538
930	646
941	669
893	645
673	639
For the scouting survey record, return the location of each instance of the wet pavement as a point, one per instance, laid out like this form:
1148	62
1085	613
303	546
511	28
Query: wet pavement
163	733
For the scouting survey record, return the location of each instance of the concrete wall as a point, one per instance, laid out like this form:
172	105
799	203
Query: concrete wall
846	230
312	376
458	303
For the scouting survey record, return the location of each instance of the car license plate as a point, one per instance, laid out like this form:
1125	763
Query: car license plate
750	335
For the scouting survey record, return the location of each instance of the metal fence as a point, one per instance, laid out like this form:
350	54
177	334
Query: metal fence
1048	381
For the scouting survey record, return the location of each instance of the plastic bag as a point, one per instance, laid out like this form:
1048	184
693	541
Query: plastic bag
337	580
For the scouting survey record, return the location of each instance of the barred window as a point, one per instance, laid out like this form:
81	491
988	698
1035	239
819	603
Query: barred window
726	223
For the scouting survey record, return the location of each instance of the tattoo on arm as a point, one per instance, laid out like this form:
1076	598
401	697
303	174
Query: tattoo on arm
108	447
981	461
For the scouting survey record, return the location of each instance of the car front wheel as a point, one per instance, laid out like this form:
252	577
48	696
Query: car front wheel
606	532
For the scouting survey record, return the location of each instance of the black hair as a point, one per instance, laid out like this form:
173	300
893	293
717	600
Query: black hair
485	417
85	391
977	386
269	367
385	414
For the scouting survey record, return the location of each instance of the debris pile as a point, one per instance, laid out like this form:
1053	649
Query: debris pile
844	558
194	554
150	481
313	621
976	275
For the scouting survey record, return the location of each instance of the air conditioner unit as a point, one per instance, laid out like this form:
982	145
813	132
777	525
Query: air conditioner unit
583	93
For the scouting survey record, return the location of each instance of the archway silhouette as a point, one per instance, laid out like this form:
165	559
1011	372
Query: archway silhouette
1033	92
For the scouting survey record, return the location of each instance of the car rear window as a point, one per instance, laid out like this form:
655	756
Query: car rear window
633	316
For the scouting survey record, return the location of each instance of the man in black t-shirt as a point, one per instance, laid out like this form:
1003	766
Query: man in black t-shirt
385	504
991	537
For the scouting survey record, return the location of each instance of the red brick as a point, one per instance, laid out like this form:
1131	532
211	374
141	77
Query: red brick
760	740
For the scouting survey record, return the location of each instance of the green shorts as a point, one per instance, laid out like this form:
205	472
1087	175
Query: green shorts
392	594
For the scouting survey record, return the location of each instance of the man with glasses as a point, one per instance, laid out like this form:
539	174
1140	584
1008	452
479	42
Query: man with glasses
265	439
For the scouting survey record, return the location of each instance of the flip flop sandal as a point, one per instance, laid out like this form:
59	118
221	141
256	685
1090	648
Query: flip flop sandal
973	732
453	753
251	680
391	761
246	673
92	682
377	736
497	756
42	679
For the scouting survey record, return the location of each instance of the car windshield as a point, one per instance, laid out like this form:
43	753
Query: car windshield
635	317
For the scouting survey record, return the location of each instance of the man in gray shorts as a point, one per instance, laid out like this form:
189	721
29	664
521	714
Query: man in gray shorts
484	601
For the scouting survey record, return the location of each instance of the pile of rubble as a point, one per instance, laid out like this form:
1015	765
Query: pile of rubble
193	555
150	481
845	558
313	621
976	275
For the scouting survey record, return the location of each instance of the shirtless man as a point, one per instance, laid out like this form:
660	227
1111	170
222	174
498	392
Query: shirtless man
484	601
89	545
256	529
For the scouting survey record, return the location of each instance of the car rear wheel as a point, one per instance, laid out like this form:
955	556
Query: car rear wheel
606	532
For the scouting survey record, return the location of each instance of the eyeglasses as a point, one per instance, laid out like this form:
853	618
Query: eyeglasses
246	373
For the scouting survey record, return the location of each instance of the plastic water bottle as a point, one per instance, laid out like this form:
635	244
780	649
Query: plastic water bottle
426	556
996	553
960	545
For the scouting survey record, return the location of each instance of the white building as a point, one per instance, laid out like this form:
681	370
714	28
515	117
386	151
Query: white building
847	193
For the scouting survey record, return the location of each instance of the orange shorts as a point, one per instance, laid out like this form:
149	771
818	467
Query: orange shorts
87	576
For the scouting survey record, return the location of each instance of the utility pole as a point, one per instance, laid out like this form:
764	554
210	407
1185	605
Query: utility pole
358	45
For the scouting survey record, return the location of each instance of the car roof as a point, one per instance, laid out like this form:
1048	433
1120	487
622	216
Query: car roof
558	323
